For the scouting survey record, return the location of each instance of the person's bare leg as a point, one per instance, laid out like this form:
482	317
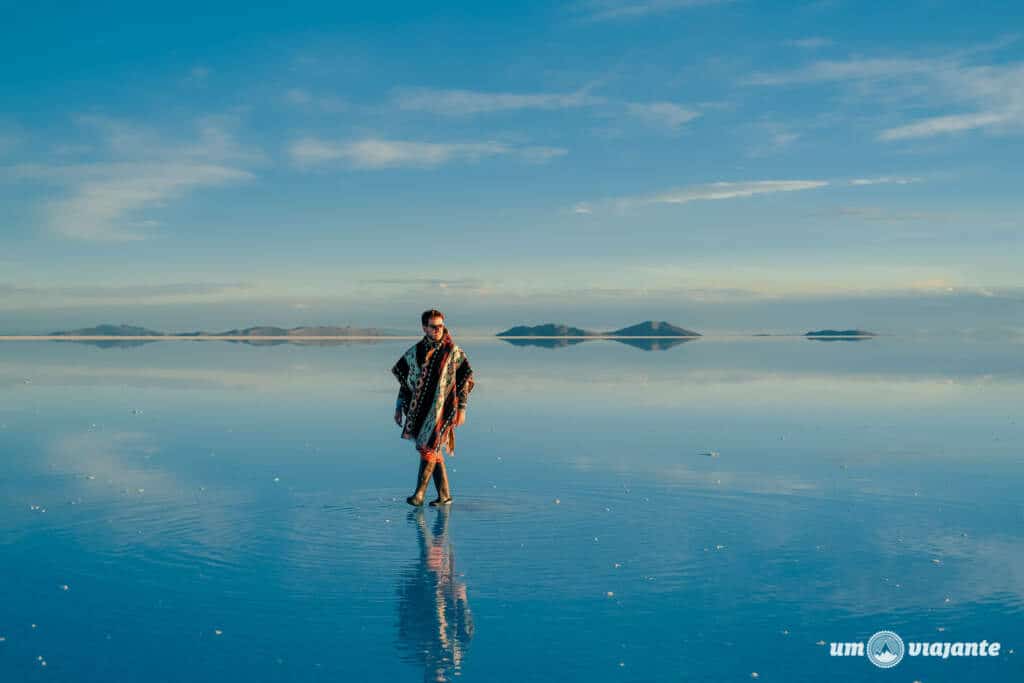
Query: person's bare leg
444	496
422	479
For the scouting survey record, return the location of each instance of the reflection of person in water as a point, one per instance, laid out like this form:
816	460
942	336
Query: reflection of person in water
434	621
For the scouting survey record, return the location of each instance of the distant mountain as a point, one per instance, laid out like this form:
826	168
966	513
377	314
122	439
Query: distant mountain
547	330
653	328
107	330
648	328
840	333
323	331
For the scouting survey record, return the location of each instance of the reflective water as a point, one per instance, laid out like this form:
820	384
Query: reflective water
212	511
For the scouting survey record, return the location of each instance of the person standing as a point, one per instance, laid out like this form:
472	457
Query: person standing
434	381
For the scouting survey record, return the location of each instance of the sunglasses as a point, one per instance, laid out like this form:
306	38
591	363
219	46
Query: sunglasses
435	327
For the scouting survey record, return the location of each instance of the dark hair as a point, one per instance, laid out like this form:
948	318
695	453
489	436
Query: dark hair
432	313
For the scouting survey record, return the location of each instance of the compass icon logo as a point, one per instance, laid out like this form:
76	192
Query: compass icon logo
885	649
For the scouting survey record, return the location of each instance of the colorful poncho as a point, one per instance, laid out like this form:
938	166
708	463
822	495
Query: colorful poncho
434	381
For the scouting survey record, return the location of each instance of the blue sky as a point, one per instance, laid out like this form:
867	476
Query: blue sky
728	166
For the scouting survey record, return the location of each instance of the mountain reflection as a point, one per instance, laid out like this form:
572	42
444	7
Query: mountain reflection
544	343
434	621
662	344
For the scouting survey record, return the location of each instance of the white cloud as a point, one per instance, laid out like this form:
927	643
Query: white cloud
811	43
770	138
375	153
723	190
845	70
106	200
468	102
111	200
298	97
666	114
885	180
605	10
582	208
198	74
937	125
987	97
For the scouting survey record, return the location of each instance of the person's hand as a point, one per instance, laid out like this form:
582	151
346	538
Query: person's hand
398	417
460	418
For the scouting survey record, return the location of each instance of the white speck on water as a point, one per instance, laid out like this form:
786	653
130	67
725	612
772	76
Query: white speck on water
607	509
710	454
65	587
622	664
754	674
610	594
820	642
616	565
277	479
218	632
719	547
936	560
595	539
34	626
387	521
558	501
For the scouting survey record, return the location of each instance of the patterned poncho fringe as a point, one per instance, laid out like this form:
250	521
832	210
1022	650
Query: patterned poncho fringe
434	380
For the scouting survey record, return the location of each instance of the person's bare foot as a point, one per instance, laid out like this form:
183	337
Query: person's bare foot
438	501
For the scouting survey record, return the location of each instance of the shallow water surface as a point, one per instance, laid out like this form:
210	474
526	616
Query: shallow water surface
211	511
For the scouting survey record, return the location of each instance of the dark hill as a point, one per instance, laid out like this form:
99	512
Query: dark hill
108	330
653	328
546	330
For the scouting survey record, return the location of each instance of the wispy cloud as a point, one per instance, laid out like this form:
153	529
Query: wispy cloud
938	125
112	200
607	10
469	102
299	97
992	95
198	74
375	153
663	114
723	190
35	296
883	215
810	43
770	138
886	180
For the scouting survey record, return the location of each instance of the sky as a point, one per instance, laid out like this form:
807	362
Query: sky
727	166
